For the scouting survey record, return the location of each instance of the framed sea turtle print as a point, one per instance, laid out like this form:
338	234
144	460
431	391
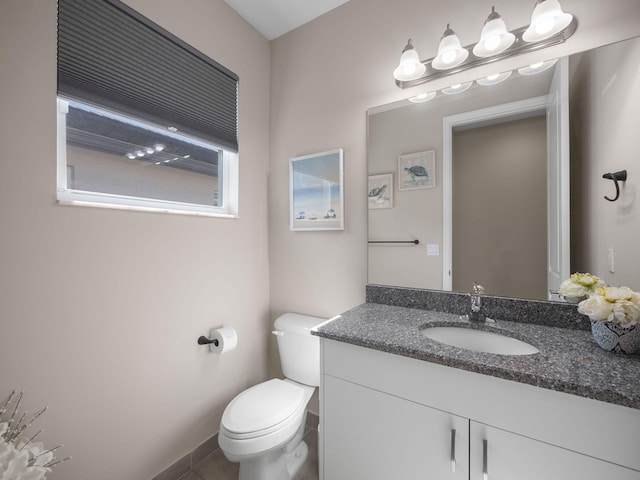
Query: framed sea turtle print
316	192
417	170
380	188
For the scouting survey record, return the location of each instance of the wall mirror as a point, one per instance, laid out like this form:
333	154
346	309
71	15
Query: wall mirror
517	199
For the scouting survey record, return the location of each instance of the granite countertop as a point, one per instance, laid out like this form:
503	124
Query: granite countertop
569	360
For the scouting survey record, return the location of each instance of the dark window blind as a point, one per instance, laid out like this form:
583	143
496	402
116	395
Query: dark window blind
111	55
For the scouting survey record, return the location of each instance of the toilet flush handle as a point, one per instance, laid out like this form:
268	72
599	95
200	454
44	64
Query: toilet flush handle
278	333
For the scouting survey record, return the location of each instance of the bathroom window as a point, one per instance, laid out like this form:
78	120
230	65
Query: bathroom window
145	121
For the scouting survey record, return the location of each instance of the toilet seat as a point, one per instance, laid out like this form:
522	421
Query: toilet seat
263	409
258	436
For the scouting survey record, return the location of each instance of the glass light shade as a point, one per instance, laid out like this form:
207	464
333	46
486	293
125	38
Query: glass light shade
422	97
494	79
458	88
537	67
410	66
494	38
450	52
547	19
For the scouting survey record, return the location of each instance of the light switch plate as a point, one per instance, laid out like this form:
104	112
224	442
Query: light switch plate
433	249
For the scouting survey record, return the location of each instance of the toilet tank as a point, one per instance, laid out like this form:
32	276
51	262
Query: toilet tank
299	350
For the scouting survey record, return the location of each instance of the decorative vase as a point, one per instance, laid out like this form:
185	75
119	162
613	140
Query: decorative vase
616	338
574	299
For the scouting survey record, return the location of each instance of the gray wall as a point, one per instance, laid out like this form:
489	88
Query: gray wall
500	209
605	110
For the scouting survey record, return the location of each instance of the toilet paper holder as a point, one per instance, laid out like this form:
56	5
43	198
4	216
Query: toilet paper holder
206	341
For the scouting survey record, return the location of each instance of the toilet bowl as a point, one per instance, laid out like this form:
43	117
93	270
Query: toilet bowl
262	427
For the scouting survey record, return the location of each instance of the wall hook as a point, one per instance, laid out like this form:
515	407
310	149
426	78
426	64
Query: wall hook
616	177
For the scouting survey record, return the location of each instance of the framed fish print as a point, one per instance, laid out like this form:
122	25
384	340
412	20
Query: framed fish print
417	170
316	196
380	188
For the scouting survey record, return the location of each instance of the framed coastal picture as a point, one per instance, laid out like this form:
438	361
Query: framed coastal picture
316	192
380	188
417	170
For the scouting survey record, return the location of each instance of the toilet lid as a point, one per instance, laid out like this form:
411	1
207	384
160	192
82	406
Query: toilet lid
262	406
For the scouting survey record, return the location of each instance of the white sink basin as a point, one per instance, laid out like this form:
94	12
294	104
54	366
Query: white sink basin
479	340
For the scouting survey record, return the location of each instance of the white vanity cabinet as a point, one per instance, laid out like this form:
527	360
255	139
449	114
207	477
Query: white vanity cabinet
503	455
385	416
407	441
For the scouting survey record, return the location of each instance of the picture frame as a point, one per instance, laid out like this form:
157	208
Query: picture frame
417	170
380	191
316	191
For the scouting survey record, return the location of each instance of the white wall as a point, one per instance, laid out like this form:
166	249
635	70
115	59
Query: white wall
100	309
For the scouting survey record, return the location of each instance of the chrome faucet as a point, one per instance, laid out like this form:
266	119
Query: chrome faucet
476	314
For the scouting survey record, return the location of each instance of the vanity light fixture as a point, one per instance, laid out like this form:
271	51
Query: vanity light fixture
494	38
549	26
457	88
422	97
410	66
450	52
494	79
537	67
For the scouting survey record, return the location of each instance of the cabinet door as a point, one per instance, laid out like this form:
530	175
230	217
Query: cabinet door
371	435
500	455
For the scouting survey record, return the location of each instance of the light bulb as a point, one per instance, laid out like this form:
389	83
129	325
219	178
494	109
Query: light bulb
422	97
149	150
494	38
450	52
158	147
131	156
410	66
140	153
493	77
547	20
544	25
448	57
457	88
537	67
409	69
492	42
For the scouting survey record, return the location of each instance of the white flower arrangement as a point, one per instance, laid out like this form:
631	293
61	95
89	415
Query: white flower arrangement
619	305
580	286
22	458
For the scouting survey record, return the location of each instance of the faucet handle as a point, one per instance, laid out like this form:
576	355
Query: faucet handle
478	289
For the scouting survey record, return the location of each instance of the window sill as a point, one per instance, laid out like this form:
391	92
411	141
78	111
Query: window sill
120	202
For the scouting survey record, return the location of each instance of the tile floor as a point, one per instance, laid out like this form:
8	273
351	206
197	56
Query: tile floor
217	467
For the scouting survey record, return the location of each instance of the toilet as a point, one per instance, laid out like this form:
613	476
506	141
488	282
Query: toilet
262	427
